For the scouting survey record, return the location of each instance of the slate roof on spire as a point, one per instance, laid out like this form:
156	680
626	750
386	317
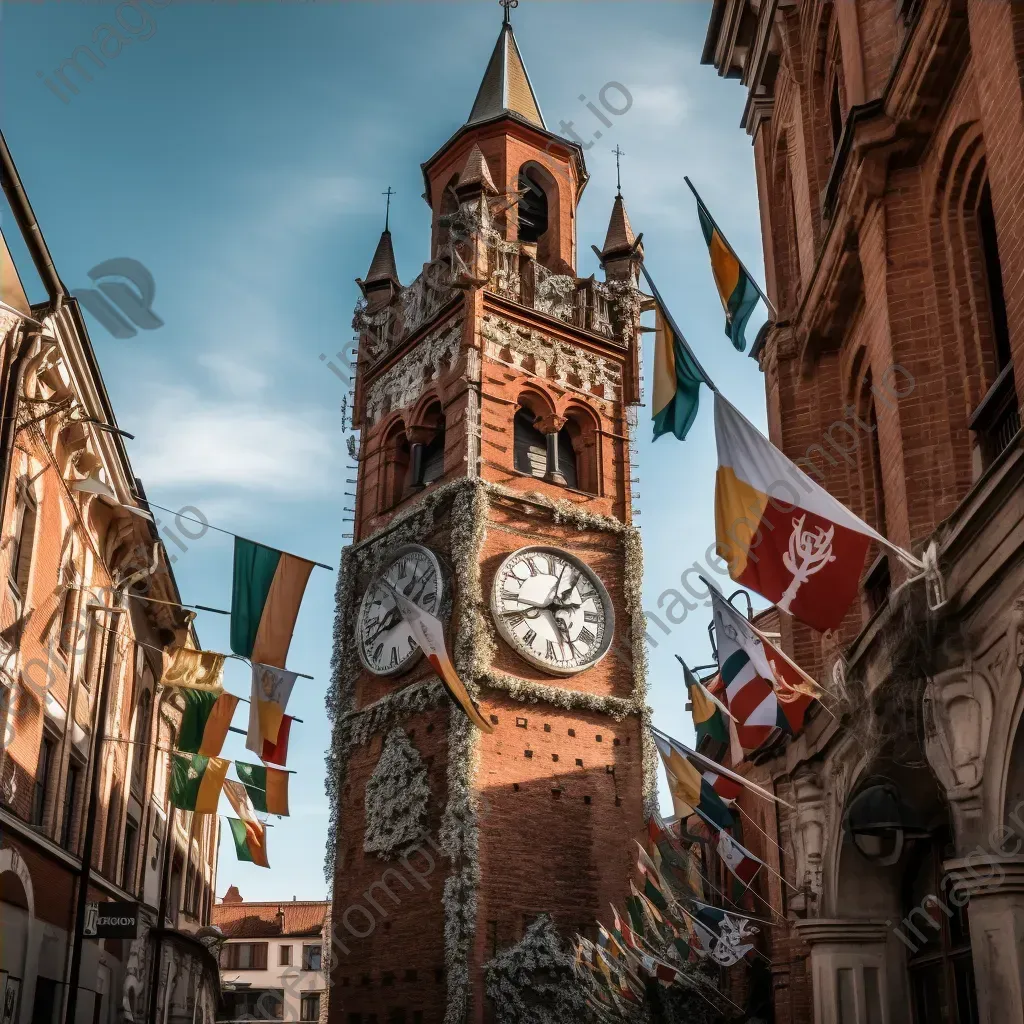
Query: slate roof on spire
620	236
506	87
477	173
382	267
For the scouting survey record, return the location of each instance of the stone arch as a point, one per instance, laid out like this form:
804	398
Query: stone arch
583	429
393	459
549	241
11	863
537	399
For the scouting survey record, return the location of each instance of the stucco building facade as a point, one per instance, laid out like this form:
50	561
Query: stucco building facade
87	602
888	140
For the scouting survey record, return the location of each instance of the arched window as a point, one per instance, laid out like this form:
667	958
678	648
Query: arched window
531	449
24	537
993	278
567	459
433	457
140	754
835	113
533	207
66	636
395	468
537	456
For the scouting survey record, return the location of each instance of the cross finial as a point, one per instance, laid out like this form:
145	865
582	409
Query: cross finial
387	213
507	4
618	167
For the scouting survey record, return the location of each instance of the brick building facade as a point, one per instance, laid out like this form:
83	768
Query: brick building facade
493	398
70	547
888	142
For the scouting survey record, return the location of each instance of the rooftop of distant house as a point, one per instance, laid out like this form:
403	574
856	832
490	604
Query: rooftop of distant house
241	919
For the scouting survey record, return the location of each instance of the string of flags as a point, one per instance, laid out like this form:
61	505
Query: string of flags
267	590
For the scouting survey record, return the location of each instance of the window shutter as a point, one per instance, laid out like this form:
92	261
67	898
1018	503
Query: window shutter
259	958
531	452
567	459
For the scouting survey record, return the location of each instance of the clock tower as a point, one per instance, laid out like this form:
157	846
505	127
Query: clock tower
495	396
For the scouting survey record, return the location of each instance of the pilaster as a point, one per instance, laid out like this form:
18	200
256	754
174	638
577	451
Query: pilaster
995	888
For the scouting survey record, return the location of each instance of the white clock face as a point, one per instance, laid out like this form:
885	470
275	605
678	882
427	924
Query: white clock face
385	642
552	610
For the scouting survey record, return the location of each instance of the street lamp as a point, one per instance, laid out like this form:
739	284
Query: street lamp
879	822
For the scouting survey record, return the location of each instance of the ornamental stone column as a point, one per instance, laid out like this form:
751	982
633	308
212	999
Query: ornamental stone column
550	426
850	972
994	885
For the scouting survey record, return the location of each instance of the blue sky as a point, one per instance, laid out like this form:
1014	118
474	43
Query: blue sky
239	150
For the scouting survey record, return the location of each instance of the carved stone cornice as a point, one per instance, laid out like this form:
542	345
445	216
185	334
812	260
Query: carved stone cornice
980	875
842	931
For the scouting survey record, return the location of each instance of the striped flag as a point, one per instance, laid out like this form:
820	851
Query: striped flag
738	859
764	689
196	782
265	596
267	787
205	721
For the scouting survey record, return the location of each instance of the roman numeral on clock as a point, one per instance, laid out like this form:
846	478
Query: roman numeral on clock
394	656
529	638
591	617
585	637
550	652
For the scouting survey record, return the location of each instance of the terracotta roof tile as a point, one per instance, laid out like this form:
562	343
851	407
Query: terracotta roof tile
261	920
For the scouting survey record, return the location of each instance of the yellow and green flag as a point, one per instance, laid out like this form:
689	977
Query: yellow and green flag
736	288
267	787
196	782
265	597
708	718
677	375
205	722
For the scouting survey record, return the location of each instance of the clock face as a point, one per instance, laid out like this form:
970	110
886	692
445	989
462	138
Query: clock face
385	642
552	610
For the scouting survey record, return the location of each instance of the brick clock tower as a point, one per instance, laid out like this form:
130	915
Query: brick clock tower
493	398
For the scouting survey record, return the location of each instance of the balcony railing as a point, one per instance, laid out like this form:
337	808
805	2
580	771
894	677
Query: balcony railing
997	419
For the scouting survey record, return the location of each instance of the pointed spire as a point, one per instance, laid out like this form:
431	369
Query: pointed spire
506	87
383	272
476	175
620	238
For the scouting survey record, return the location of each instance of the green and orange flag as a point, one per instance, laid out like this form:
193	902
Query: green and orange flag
196	782
205	722
250	841
677	374
267	787
736	288
265	597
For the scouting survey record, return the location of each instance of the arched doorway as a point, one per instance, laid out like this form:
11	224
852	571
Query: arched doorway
897	838
19	948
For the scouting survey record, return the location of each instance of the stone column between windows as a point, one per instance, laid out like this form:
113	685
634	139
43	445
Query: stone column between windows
550	426
995	886
849	970
419	438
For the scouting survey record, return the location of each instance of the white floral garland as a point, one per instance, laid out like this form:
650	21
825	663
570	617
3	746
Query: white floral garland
474	646
533	982
397	794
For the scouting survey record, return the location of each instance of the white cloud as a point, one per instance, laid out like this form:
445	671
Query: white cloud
193	439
